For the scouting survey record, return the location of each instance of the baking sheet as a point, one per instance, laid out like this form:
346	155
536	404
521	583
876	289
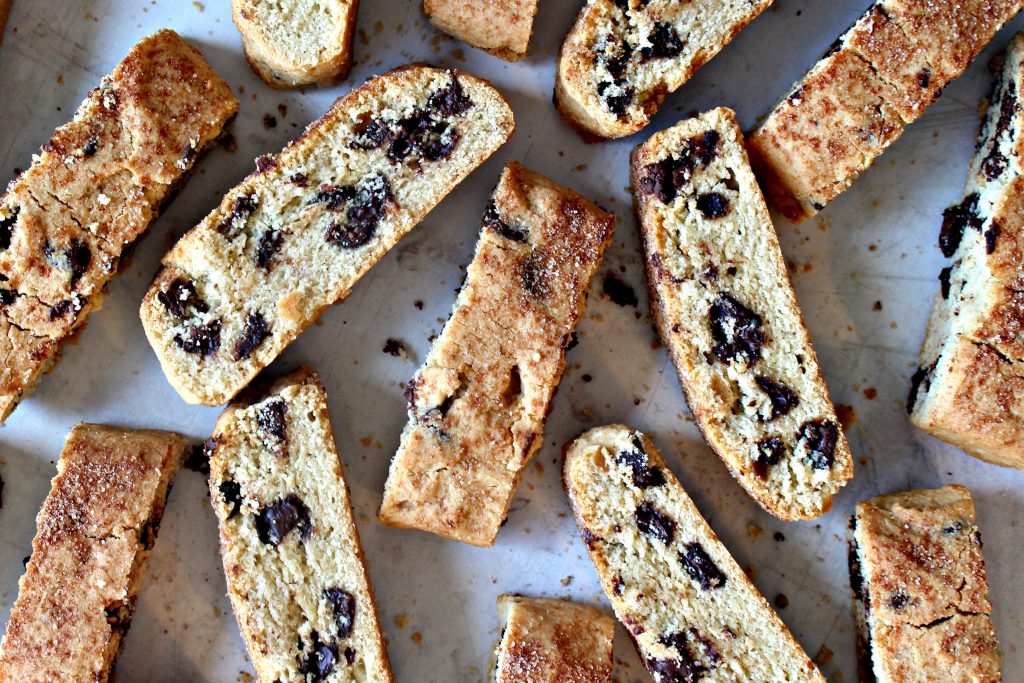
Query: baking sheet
864	270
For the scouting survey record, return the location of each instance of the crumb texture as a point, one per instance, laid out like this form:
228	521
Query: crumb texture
92	190
502	27
552	641
690	609
878	77
477	406
969	386
94	534
726	312
292	558
295	236
920	592
622	57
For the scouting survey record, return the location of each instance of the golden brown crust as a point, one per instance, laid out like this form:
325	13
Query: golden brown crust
477	407
5	11
502	27
94	534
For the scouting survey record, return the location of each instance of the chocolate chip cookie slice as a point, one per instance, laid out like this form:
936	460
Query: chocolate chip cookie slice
726	312
295	237
690	609
292	559
92	190
478	404
622	57
969	388
919	589
878	77
94	535
552	641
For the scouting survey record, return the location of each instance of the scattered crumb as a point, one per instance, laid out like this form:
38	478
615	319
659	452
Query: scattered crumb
618	291
846	414
458	54
198	6
782	601
877	306
402	620
282	109
366	441
244	677
870	393
417	637
567	580
824	656
754	531
418	304
269	121
779	536
394	347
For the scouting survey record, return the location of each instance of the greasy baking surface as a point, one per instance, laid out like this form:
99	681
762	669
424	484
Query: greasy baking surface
876	243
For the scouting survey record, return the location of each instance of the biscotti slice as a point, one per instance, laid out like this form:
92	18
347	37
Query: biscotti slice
688	605
552	641
878	77
292	558
502	27
98	183
726	312
291	43
919	590
969	389
94	534
477	406
622	57
294	237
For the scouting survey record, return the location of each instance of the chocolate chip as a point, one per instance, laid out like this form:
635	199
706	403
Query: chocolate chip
644	476
394	347
769	453
781	601
991	235
492	220
334	196
663	179
571	343
179	296
899	600
241	209
75	258
61	308
617	97
200	339
271	416
368	208
373	135
269	121
701	568
269	244
618	585
995	163
255	331
320	661
782	397
705	147
955	220
944	276
794	97
921	379
924	77
684	668
231	492
265	162
713	205
736	330
450	100
664	43
299	179
534	276
188	155
275	521
7	297
618	291
853	561
7	228
654	523
89	149
819	438
198	459
343	605
350	654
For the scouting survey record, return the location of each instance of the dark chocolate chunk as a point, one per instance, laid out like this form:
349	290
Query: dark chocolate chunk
736	330
493	221
644	476
7	297
240	211
89	149
200	339
955	220
368	208
995	163
769	453
7	228
655	523
334	196
232	494
269	244
450	100
299	179
276	520
664	178
265	162
713	205
61	308
617	100
350	655
944	275
343	606
534	276
75	258
781	601
256	330
618	291
684	668
820	438
782	397
921	379
198	459
924	77
899	600
705	147
179	296
701	568
372	136
991	235
272	418
320	661
664	43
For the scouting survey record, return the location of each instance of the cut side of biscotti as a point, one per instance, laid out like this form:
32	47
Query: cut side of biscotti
94	534
920	594
690	609
878	77
969	388
502	27
291	43
294	237
622	57
92	190
726	312
552	641
478	404
292	558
